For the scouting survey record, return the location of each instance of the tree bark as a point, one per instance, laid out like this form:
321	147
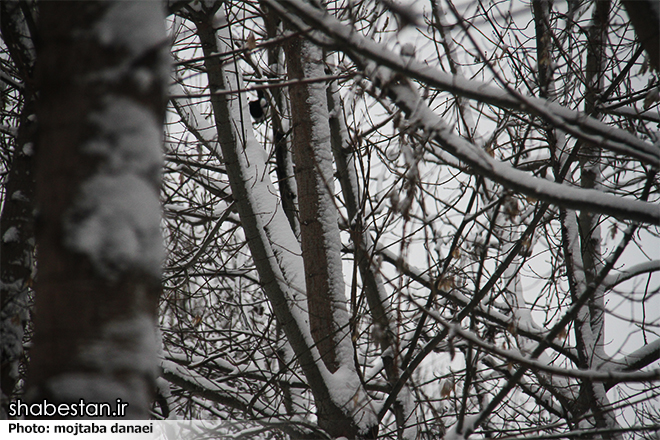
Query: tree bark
102	75
312	156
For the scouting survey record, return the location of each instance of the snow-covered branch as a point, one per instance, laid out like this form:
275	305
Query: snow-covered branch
619	277
573	122
275	250
516	357
420	116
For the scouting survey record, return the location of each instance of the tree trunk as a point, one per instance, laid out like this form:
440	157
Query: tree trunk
312	156
102	76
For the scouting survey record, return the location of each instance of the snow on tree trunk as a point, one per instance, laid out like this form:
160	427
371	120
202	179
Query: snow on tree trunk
590	329
103	73
379	304
400	91
283	156
339	397
321	245
318	215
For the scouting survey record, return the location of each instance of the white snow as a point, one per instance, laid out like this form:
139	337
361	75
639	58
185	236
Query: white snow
468	426
11	235
322	151
128	344
131	25
344	385
115	219
129	138
513	178
138	28
28	149
616	139
120	228
347	392
220	387
282	245
201	127
618	277
283	249
645	351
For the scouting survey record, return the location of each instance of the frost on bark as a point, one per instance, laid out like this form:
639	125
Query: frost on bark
102	75
17	219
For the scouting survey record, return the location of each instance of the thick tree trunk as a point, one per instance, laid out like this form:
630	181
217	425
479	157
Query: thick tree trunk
321	245
102	76
312	156
340	402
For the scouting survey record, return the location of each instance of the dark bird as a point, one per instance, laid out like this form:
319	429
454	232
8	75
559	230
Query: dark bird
259	107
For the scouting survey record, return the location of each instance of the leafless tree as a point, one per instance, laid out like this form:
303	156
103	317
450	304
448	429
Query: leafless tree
482	225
